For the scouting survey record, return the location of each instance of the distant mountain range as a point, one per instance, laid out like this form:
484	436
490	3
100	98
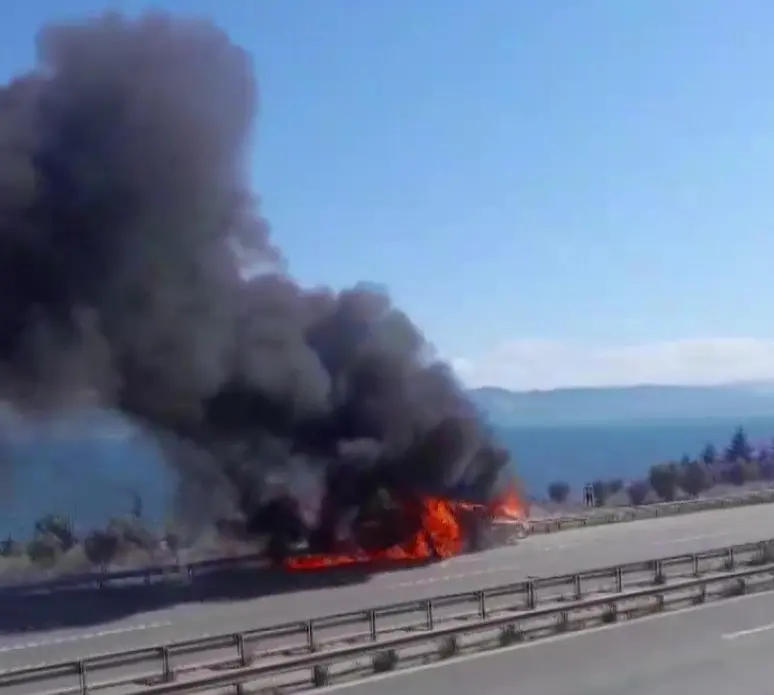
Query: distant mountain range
585	406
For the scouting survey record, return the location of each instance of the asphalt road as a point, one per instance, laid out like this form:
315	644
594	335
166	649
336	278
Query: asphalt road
547	555
714	650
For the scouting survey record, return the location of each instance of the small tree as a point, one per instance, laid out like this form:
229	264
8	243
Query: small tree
130	532
638	491
742	471
663	479
601	492
694	478
558	491
739	448
44	550
708	455
101	547
59	530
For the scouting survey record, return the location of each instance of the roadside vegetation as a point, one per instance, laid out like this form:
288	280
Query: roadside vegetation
56	545
738	464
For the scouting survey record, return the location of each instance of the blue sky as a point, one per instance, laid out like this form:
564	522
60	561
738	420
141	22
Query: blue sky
565	192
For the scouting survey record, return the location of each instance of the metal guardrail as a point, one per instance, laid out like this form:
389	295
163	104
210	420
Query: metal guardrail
650	511
445	642
191	571
164	661
385	654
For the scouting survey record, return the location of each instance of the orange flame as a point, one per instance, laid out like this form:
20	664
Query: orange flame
508	506
439	535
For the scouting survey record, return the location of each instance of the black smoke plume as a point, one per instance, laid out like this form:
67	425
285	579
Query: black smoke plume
137	272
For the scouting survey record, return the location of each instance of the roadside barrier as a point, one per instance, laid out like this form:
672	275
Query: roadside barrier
320	669
516	604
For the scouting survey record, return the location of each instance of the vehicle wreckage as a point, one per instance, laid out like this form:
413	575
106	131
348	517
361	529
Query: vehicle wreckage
385	528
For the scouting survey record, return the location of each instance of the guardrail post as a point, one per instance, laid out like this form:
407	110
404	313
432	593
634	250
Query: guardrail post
167	674
576	582
658	572
695	565
618	580
239	639
702	597
511	634
310	635
531	601
320	676
82	677
731	559
429	614
482	605
372	624
611	614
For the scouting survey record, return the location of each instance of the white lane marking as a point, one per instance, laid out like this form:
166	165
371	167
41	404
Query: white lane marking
82	636
519	566
751	631
450	577
531	645
661	541
688	539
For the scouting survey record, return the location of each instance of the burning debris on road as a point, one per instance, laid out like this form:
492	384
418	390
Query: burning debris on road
137	274
417	528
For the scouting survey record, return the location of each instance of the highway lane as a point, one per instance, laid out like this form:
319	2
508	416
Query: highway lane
712	650
558	553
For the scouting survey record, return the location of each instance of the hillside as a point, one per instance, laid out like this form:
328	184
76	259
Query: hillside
579	406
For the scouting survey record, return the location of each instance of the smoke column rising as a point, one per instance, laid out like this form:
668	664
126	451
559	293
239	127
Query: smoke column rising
126	225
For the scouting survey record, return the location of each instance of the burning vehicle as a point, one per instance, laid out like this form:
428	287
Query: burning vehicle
383	525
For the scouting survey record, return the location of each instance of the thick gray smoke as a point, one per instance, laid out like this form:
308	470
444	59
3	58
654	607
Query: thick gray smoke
127	231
